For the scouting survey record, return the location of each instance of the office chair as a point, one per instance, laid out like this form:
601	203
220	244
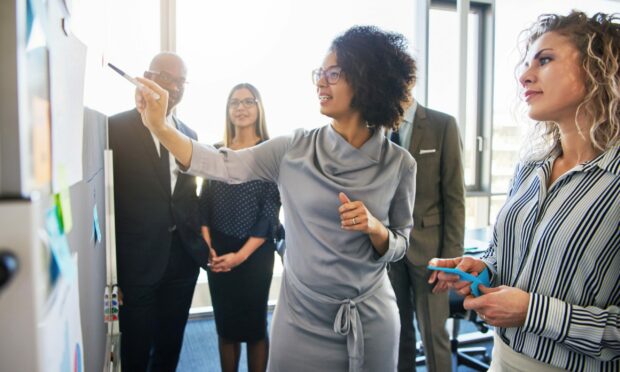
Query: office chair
467	355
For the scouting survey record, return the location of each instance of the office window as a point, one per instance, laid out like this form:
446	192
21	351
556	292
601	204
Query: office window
443	95
443	78
226	43
126	33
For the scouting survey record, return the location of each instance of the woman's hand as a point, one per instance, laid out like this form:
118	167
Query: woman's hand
152	110
212	255
206	235
445	281
501	306
354	216
227	262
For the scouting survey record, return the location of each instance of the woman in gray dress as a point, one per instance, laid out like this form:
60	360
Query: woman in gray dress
347	193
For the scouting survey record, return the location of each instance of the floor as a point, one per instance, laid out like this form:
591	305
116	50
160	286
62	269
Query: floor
200	352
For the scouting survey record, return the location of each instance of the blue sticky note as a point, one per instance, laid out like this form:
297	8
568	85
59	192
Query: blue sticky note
482	278
58	243
29	19
54	270
96	224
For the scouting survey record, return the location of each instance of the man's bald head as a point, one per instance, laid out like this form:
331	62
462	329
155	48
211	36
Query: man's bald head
166	61
168	70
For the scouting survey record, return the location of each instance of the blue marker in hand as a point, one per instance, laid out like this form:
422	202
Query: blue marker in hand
482	278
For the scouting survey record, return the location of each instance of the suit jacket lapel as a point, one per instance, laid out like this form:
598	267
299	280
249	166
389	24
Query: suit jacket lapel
419	125
148	146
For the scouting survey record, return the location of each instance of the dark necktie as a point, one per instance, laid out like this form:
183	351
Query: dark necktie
165	165
395	137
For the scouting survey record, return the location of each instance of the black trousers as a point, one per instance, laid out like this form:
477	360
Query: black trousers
153	317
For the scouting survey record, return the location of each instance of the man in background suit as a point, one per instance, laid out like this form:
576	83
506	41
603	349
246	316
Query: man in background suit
439	223
158	243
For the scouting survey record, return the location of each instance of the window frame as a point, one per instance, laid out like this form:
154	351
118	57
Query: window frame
480	189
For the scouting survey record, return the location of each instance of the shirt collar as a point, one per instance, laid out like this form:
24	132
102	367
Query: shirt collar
609	160
409	114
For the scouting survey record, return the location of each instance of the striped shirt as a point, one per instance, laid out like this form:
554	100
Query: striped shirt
562	245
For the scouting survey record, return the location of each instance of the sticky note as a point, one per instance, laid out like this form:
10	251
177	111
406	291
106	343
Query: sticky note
58	243
63	202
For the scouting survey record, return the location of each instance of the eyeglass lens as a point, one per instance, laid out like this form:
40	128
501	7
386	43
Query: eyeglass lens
332	75
246	102
167	78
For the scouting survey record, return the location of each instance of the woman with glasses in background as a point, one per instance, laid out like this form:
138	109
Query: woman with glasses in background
555	253
348	195
239	222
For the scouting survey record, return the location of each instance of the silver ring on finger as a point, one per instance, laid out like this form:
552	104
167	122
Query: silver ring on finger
354	221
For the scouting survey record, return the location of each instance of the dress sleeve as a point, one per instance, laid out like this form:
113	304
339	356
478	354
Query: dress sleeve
267	222
260	162
401	215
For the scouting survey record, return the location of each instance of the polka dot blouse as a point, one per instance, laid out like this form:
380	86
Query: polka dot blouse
241	210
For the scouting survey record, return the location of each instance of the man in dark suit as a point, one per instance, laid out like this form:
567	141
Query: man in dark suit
439	223
158	243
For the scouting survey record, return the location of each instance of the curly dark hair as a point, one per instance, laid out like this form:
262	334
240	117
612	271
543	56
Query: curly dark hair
380	71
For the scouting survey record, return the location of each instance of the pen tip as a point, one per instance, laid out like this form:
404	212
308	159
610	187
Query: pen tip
115	68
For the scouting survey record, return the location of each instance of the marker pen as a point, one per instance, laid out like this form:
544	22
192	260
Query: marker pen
134	81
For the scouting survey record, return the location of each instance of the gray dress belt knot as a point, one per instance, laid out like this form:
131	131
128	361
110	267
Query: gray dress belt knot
347	321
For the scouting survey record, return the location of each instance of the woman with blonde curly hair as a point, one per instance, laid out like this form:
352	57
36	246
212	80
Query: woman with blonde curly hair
555	253
598	41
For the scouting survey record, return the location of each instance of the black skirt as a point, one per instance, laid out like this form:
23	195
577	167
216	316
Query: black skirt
239	297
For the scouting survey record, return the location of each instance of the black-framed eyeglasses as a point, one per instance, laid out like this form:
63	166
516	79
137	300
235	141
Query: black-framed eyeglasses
331	75
246	102
166	78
